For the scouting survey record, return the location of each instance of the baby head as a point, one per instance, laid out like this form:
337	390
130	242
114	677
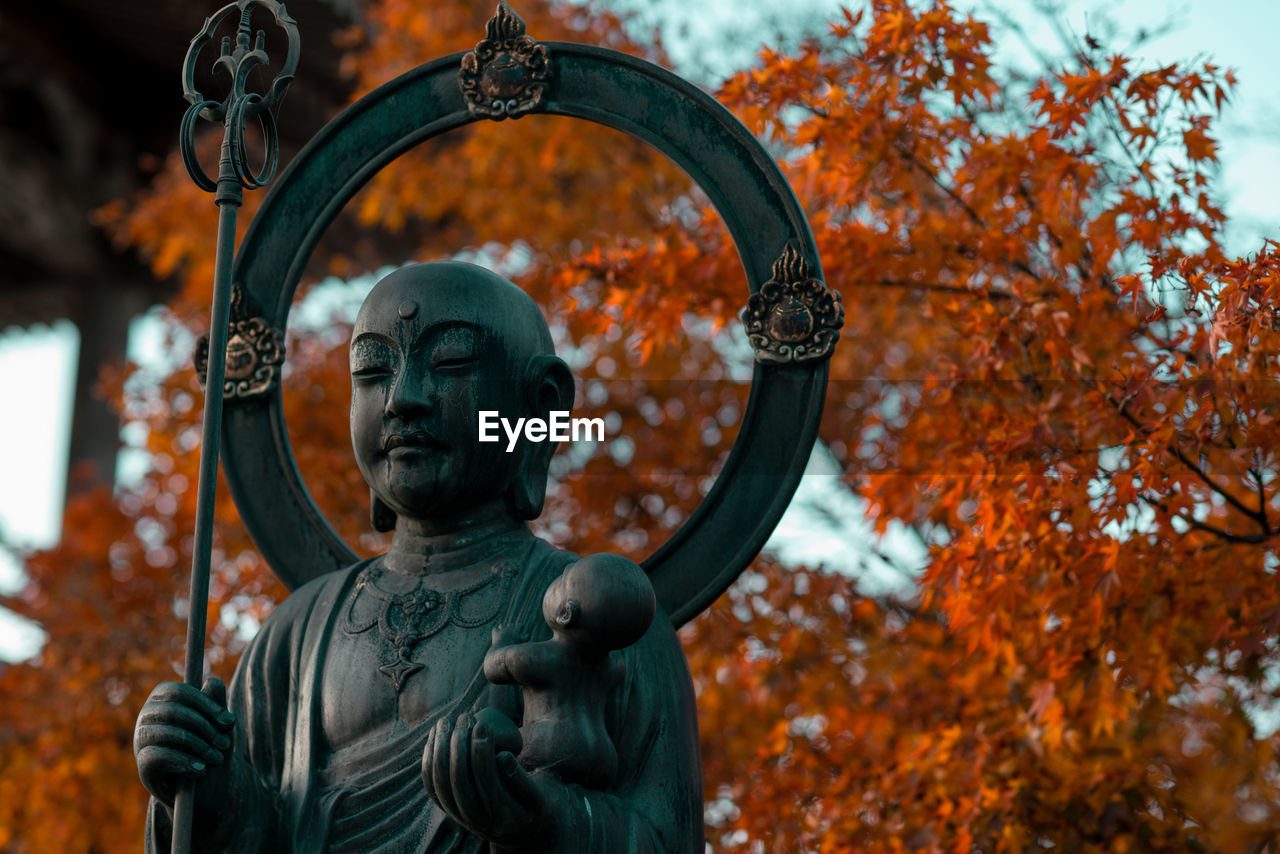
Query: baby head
601	600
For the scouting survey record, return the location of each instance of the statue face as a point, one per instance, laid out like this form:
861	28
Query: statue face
433	345
418	382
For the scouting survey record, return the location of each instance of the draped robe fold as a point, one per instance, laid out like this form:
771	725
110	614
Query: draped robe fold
369	796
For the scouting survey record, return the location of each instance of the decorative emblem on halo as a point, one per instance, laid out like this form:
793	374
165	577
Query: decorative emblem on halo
794	317
507	74
255	352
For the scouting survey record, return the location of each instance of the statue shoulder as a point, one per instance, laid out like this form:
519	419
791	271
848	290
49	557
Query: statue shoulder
323	592
288	630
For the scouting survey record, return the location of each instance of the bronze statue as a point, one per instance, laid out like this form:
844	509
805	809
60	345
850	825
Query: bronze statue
360	718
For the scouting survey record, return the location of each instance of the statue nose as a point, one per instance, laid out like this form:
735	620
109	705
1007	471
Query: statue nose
410	395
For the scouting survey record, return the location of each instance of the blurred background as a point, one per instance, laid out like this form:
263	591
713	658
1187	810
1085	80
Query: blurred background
846	674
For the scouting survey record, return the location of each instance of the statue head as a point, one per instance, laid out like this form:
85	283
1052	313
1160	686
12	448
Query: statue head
433	345
601	600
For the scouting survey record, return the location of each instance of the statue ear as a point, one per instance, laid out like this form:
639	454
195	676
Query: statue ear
549	386
382	516
567	616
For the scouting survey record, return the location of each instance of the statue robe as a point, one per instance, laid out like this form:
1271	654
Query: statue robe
369	796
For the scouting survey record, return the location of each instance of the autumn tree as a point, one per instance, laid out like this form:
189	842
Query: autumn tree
1051	371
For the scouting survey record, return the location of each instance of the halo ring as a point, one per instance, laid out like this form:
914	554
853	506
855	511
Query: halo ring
780	422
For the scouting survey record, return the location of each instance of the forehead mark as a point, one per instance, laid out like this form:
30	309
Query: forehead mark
407	310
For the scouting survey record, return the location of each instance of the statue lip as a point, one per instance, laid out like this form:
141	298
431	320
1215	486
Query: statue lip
412	439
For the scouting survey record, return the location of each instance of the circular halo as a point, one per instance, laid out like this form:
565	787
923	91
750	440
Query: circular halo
780	423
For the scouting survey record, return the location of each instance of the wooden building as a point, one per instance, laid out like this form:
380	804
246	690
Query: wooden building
90	101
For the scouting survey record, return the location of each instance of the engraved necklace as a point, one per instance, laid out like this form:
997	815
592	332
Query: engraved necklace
406	619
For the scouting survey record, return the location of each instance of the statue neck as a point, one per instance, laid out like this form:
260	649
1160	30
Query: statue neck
424	547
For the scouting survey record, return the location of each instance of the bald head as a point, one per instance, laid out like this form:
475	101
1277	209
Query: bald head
433	346
445	292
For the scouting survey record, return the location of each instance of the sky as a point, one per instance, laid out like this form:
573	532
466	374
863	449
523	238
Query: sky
825	524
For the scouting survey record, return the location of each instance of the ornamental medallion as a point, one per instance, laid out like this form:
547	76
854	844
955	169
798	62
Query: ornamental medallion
255	352
794	317
507	73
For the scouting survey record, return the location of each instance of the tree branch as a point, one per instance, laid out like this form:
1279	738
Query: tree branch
941	288
1258	517
1248	539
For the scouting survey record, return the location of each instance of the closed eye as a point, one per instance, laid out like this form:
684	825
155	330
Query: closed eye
455	362
371	372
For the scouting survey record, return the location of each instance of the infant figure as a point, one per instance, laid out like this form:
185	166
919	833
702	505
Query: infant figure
599	604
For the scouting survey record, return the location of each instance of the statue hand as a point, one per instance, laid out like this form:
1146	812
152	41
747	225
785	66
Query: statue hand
183	734
469	768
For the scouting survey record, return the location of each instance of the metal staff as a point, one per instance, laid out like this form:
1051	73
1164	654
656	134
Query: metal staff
234	177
